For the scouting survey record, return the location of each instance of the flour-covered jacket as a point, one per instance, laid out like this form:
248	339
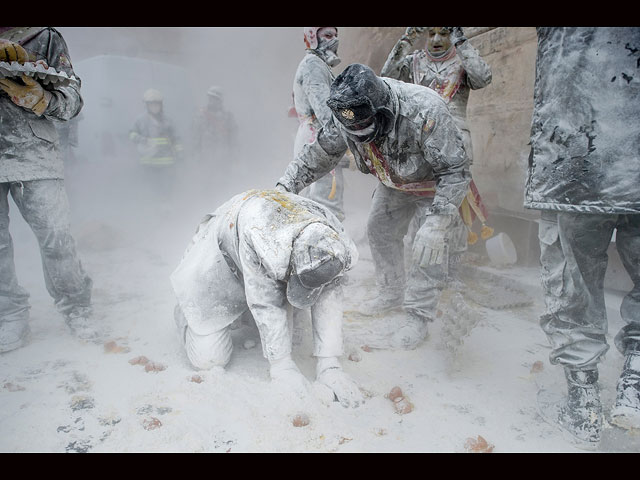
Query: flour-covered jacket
28	142
453	76
424	145
156	139
254	231
585	133
311	86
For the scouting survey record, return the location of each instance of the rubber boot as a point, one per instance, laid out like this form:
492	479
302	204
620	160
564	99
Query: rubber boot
626	410
581	414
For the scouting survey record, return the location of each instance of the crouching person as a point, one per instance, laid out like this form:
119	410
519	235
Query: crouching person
267	252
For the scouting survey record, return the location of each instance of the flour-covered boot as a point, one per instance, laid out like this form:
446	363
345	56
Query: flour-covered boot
579	416
81	325
626	410
410	334
13	335
381	303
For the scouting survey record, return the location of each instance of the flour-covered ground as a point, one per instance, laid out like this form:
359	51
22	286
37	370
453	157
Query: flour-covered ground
58	394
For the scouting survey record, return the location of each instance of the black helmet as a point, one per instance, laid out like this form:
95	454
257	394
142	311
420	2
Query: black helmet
361	101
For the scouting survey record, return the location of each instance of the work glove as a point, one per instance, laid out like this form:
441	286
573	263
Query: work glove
429	246
30	96
12	52
411	33
456	35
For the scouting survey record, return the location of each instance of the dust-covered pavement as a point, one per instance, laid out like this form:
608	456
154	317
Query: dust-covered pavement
135	391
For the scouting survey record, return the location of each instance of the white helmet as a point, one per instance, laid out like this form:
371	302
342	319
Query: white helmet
214	91
153	95
311	36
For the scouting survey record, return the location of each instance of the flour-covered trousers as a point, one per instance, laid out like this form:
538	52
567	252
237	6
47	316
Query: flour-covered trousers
45	207
388	222
211	298
574	261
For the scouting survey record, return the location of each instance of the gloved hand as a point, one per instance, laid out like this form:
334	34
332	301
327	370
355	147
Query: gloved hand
12	52
30	96
457	35
430	242
411	33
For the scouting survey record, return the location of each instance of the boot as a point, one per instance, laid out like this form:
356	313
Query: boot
380	304
80	324
580	414
626	410
410	334
13	335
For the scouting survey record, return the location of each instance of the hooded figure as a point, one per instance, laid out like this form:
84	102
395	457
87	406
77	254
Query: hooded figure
584	172
267	252
405	136
311	86
33	171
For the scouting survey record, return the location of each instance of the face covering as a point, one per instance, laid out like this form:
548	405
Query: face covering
329	52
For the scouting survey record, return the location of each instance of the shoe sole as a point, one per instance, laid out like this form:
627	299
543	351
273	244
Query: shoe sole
625	417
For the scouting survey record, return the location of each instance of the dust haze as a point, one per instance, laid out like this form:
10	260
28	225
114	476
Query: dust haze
254	67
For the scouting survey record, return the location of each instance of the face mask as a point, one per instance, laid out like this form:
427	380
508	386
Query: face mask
329	52
154	108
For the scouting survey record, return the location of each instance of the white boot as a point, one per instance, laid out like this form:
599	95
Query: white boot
81	325
410	334
626	410
13	335
380	304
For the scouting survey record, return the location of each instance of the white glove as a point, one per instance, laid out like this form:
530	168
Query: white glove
331	377
457	35
411	33
429	245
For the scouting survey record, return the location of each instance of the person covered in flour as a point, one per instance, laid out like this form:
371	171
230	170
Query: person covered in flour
311	86
452	67
583	176
267	252
32	171
405	136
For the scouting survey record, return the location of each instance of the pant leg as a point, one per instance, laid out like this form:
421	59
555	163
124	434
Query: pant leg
14	300
573	264
210	298
45	207
628	245
425	284
326	318
388	222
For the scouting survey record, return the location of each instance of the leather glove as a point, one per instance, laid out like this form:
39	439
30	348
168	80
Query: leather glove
430	241
457	35
30	96
411	33
12	52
